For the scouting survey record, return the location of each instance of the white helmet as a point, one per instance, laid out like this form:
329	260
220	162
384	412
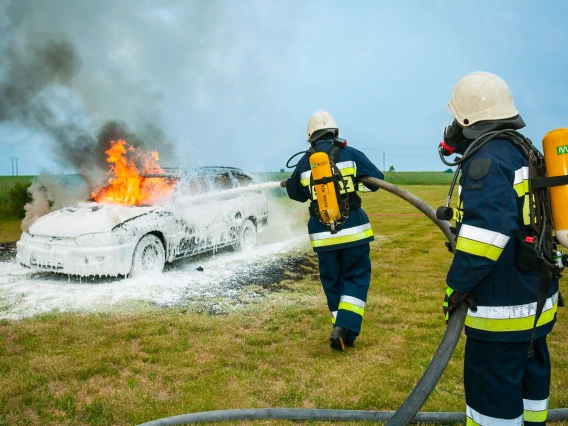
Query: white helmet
481	96
319	121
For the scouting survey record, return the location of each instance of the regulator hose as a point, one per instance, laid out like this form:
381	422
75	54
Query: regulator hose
408	411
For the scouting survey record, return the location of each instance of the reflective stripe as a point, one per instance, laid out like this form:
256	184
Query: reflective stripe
476	418
305	178
535	405
478	249
350	303
333	316
536	410
521	175
356	233
346	167
481	242
353	301
350	171
527	210
521	181
458	211
483	236
511	318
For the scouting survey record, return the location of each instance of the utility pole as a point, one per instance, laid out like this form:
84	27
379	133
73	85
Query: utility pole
384	166
15	165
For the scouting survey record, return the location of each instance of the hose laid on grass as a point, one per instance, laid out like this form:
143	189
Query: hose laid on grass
319	415
408	411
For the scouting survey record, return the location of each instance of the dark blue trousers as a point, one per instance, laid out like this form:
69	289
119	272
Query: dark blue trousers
502	384
345	274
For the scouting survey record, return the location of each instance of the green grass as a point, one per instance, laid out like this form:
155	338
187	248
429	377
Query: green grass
419	178
397	178
112	369
10	229
6	183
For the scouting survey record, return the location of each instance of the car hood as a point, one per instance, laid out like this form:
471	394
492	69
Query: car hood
86	218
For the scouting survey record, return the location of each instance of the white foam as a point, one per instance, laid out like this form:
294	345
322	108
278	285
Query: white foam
24	294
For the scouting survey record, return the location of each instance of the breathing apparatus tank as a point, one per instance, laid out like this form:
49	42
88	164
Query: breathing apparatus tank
325	192
555	145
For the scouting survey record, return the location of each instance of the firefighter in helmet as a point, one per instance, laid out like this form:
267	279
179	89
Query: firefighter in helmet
343	250
506	362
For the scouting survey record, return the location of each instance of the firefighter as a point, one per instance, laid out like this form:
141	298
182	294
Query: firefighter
506	362
343	253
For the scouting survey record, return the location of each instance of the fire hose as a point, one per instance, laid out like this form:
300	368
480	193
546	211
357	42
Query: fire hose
409	410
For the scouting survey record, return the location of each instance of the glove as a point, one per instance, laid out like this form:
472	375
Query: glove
283	183
453	299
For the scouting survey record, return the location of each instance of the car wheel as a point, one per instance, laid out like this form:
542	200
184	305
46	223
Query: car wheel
149	256
246	240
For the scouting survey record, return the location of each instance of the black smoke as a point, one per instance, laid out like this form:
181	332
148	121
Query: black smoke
144	140
37	76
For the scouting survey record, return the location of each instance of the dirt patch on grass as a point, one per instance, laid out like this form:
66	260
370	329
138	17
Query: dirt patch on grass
270	275
252	281
7	252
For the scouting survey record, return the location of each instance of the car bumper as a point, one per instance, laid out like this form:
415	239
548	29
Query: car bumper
75	260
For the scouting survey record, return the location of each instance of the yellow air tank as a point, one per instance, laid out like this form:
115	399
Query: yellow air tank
555	145
326	195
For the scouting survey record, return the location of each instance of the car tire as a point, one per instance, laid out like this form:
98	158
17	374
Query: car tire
149	256
246	239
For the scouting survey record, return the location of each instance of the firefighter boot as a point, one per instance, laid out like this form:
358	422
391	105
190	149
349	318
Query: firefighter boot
337	338
350	339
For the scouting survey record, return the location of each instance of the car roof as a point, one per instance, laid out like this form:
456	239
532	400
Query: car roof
205	171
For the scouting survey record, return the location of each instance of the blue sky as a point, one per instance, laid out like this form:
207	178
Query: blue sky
234	83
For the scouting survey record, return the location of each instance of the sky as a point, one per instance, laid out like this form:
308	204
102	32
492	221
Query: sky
233	83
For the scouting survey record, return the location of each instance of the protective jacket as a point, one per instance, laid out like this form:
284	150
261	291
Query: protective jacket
493	206
353	165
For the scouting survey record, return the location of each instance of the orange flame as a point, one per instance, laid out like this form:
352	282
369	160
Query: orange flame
127	185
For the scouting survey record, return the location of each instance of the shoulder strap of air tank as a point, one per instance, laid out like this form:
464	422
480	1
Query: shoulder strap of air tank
338	143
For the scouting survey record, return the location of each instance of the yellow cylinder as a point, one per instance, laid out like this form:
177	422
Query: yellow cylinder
326	195
555	145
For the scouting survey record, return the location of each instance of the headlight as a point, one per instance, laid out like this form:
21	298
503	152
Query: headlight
97	239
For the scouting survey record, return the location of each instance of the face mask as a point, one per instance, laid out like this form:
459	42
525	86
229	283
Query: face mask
453	135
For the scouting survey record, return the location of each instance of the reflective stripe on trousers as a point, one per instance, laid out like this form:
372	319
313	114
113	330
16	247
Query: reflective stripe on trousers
511	318
475	418
535	411
349	303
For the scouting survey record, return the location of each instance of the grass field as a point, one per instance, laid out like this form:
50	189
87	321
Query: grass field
397	178
6	183
108	369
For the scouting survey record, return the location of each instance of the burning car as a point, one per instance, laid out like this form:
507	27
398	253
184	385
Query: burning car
125	231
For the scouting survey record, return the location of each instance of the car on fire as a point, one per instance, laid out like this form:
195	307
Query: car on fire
208	209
